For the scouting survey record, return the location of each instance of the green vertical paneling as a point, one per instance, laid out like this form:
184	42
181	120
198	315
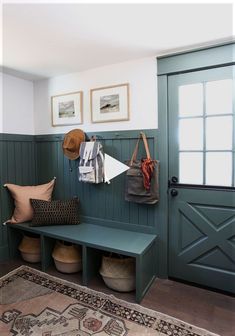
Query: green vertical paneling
98	203
28	160
17	155
1	200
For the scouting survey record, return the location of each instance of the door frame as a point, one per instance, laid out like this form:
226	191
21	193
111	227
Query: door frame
194	60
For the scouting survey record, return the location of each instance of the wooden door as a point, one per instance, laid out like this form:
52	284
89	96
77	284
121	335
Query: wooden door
202	178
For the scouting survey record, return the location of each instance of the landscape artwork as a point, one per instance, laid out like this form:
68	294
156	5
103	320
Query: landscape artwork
66	109
109	103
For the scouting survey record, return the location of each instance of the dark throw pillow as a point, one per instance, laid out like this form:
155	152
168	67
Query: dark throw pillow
54	212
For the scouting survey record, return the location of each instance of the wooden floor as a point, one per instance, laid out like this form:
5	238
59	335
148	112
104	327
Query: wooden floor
203	308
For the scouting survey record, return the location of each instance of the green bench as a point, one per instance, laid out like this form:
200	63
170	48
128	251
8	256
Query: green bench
94	239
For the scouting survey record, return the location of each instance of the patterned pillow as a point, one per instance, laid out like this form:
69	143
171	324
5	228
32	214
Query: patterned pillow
54	212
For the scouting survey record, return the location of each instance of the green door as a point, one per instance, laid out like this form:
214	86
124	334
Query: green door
202	177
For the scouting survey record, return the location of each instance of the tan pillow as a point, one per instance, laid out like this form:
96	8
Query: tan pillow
23	210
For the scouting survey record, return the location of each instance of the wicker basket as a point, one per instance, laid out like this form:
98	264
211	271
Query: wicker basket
118	274
67	257
30	249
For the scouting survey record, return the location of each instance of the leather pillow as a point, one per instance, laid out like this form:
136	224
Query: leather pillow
54	212
23	211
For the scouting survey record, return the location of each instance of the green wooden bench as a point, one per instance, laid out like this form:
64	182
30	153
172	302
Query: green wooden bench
94	239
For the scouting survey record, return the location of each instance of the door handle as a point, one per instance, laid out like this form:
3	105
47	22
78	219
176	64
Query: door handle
174	192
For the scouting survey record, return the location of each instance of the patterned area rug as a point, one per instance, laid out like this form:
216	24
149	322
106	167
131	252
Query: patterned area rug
34	303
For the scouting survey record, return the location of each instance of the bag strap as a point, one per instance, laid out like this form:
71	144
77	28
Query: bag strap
146	146
134	155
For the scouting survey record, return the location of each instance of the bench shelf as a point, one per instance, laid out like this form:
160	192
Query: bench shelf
94	239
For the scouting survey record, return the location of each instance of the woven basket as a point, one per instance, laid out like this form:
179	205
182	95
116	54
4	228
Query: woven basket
67	258
118	274
30	249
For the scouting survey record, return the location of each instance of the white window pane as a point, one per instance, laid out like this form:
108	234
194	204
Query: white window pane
191	134
219	97
219	133
191	168
191	100
219	169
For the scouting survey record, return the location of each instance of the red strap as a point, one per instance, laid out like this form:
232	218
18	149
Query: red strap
147	167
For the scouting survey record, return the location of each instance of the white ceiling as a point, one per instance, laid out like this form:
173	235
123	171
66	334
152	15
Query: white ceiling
45	40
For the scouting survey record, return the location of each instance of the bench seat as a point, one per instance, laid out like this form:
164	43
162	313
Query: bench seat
94	239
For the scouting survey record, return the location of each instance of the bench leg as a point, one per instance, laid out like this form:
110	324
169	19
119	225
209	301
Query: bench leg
145	272
91	260
47	245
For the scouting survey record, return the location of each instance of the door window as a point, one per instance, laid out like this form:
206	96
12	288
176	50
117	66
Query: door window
206	132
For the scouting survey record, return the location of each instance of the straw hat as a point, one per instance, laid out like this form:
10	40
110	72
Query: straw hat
71	143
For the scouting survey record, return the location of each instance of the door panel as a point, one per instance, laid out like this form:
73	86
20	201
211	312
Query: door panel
202	238
202	204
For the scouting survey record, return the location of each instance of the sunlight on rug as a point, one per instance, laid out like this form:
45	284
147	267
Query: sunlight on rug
35	303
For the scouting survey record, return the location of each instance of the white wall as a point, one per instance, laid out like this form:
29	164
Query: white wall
17	105
140	74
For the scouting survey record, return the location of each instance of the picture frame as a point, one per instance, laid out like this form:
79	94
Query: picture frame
110	103
66	109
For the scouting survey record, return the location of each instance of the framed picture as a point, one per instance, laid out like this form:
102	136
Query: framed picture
110	103
67	109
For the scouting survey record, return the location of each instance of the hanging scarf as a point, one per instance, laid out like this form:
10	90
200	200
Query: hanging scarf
147	167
